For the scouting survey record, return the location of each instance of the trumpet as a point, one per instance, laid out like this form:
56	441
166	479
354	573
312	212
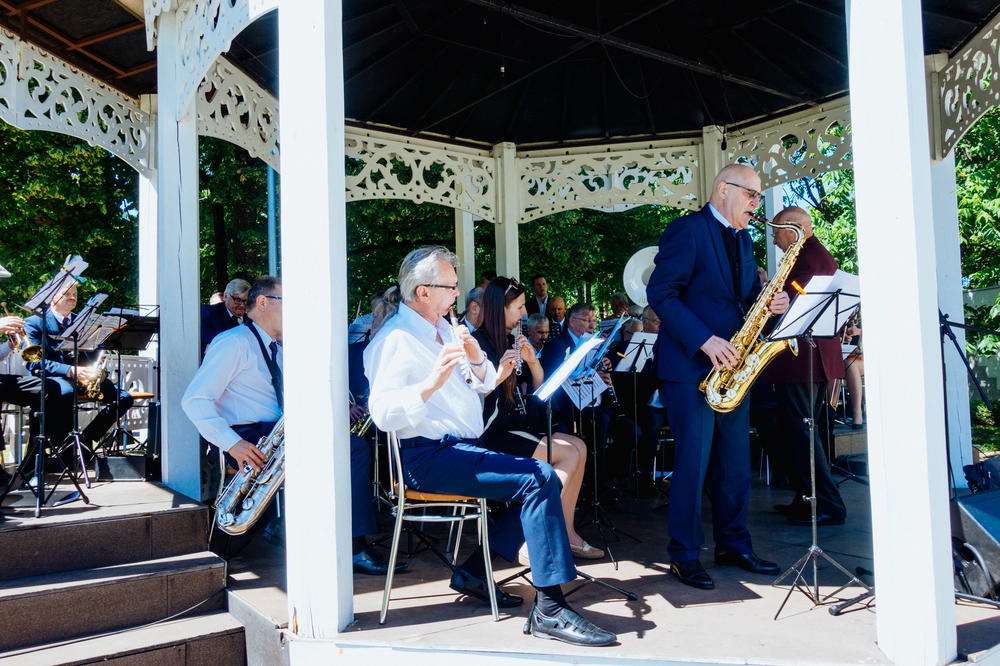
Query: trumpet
19	342
362	425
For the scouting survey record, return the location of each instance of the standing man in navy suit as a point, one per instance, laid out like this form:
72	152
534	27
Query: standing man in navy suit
225	315
702	285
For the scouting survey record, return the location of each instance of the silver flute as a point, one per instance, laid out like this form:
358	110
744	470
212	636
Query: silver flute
463	365
518	361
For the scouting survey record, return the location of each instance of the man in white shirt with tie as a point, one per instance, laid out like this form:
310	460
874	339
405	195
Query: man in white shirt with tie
426	380
237	396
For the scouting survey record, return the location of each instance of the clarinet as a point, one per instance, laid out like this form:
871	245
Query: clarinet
463	365
616	406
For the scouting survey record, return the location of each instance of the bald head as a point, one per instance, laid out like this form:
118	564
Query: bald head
736	194
791	215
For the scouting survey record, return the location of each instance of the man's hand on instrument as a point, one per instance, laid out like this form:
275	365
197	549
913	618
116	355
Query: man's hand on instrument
12	325
446	360
779	303
471	345
357	412
88	372
720	352
605	376
246	453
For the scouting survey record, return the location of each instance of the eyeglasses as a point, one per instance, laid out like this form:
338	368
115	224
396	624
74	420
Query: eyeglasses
754	194
274	298
589	320
449	287
237	299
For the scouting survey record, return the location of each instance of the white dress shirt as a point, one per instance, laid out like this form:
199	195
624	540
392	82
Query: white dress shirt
397	362
232	386
722	220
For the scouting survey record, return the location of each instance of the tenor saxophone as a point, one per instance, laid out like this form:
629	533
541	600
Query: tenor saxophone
724	388
244	499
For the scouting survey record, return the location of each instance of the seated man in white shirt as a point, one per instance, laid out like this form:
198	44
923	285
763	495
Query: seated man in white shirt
236	397
426	379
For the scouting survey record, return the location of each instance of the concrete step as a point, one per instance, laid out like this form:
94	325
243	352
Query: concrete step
42	609
32	549
216	639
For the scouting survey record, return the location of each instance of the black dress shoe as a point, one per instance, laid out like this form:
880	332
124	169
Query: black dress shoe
821	519
746	561
567	626
465	583
690	572
366	563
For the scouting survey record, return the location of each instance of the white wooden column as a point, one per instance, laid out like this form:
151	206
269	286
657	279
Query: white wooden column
465	248
177	262
147	204
314	268
508	209
773	204
712	159
909	492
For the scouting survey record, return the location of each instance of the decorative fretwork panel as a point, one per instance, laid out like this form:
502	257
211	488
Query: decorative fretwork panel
205	29
383	167
968	86
233	107
553	183
41	92
804	145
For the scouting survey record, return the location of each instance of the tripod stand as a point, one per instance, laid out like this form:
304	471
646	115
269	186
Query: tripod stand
810	560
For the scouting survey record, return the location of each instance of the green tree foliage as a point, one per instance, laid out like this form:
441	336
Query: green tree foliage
60	196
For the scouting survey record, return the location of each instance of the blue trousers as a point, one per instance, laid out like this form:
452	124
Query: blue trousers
465	468
713	449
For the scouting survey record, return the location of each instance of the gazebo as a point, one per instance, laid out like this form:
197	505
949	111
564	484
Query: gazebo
523	112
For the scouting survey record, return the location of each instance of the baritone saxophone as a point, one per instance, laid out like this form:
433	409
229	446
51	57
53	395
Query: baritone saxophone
725	389
244	499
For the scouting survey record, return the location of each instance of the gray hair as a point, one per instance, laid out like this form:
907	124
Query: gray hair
237	287
420	266
475	295
535	319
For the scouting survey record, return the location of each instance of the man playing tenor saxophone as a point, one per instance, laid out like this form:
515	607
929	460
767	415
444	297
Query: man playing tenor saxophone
703	282
236	397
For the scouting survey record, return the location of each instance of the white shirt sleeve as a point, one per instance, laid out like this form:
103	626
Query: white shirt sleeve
222	363
394	401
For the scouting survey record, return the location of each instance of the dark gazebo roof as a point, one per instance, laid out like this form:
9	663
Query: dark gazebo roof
543	73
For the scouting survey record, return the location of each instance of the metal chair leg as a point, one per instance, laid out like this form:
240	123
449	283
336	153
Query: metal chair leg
393	550
491	586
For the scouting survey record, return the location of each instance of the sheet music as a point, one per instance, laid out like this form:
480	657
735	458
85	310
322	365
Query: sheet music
70	270
4	273
638	351
818	309
586	390
847	350
562	373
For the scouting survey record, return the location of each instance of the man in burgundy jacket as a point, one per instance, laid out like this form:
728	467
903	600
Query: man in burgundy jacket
790	376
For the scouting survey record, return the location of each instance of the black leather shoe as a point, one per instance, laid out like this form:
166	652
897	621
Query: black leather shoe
567	626
366	563
746	561
690	572
821	520
465	583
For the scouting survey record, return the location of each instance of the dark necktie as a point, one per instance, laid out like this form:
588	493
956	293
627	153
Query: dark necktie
65	321
235	320
732	245
274	352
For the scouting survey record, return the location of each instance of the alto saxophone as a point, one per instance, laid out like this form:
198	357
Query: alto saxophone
244	499
92	376
724	388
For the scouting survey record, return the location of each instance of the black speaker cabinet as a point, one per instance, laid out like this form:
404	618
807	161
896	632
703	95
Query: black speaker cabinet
975	520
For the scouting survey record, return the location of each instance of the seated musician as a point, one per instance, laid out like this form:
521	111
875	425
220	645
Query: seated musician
234	399
516	422
426	380
537	330
67	372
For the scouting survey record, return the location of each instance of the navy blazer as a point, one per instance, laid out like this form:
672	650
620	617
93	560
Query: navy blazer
57	363
691	290
214	320
555	351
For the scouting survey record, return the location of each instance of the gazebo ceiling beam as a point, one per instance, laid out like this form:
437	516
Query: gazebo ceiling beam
609	39
138	69
106	35
350	76
404	13
27	6
806	43
67	42
646	94
750	46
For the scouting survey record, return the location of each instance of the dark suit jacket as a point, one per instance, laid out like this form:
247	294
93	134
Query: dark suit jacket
555	351
214	320
531	303
691	290
828	363
57	363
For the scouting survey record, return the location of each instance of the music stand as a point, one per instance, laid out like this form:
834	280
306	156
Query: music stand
133	333
824	307
633	361
38	305
85	327
545	393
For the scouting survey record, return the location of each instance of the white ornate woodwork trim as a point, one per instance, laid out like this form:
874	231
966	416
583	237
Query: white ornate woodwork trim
967	87
41	92
205	29
662	173
231	106
802	145
385	166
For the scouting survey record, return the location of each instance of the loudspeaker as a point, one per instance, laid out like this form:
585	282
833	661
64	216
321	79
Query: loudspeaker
975	520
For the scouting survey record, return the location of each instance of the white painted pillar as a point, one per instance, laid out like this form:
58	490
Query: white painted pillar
147	204
774	202
179	276
465	248
909	491
508	209
712	159
314	267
